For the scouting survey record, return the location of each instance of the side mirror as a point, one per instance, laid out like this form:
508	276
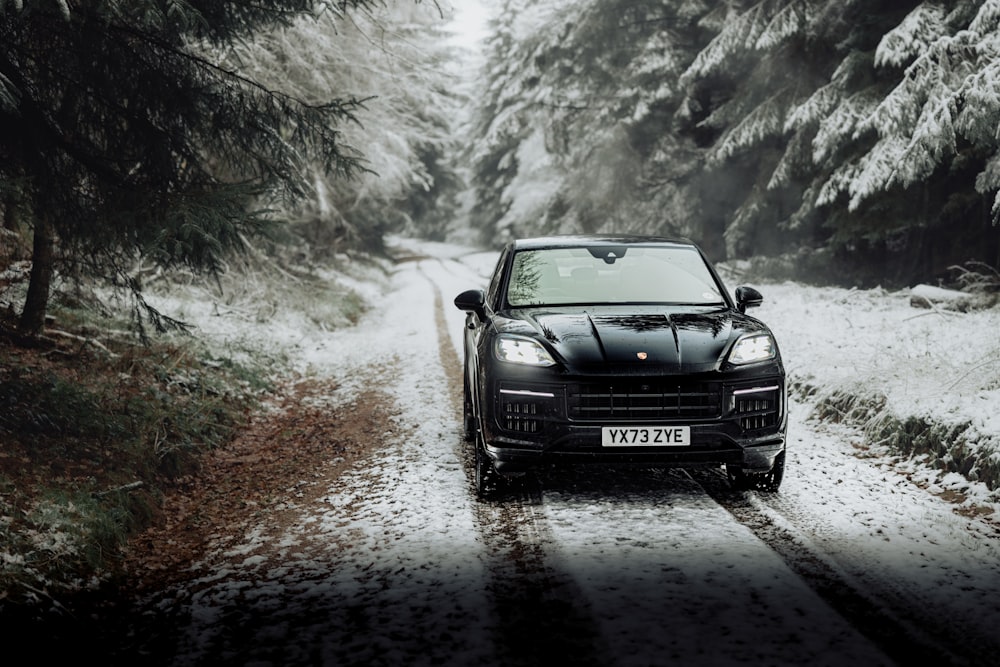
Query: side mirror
747	297
472	301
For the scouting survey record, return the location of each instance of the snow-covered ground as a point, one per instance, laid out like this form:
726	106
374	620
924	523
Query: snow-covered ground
938	366
399	564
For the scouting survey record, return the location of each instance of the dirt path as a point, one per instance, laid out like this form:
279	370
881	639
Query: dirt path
284	459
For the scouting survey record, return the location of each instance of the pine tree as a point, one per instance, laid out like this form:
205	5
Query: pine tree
130	135
945	104
864	127
395	59
894	174
576	122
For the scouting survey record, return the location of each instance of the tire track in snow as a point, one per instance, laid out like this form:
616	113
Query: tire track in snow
893	630
542	616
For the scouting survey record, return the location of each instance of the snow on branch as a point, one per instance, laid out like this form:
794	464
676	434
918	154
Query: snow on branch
933	138
796	154
906	157
951	90
839	181
841	125
826	98
737	37
989	179
816	107
978	117
878	169
941	68
987	19
766	120
656	57
921	27
788	22
808	204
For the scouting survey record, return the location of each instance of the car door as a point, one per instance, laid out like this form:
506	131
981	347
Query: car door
478	328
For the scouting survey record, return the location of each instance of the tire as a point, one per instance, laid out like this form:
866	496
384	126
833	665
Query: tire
488	480
758	481
772	479
468	416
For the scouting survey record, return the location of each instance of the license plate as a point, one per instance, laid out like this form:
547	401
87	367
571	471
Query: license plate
646	436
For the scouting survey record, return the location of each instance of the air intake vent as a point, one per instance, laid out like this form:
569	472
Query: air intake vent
524	410
757	408
521	417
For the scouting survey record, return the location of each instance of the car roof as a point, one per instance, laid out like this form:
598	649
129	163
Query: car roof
586	240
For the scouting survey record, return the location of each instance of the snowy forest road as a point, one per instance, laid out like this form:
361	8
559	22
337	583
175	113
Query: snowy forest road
393	561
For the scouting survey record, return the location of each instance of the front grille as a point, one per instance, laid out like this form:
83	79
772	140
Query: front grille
644	401
757	408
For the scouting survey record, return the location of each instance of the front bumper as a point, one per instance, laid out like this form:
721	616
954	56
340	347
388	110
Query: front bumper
749	455
739	422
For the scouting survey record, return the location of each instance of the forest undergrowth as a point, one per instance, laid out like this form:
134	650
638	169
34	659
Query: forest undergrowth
97	425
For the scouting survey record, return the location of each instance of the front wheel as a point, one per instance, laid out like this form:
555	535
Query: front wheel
488	480
468	416
758	481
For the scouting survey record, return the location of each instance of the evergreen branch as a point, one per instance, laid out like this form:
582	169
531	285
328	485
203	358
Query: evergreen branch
345	107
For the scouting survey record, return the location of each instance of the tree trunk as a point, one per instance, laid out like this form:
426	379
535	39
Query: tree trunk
10	213
42	267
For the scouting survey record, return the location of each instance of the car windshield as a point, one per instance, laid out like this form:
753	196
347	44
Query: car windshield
611	274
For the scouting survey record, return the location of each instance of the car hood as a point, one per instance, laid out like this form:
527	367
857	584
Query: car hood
639	340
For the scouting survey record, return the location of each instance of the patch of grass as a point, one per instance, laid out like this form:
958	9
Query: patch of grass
261	292
251	368
334	308
949	447
945	446
842	406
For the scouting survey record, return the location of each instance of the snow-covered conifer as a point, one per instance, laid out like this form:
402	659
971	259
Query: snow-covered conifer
126	136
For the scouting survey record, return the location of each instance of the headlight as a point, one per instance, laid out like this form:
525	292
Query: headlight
518	350
751	348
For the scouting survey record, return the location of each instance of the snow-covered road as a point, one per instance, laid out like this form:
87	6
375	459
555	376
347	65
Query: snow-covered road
397	563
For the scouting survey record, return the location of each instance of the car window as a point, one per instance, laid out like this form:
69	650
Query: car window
611	274
493	290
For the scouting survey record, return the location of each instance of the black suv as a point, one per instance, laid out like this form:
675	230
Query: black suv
589	349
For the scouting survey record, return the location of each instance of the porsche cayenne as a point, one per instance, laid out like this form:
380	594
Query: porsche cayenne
619	350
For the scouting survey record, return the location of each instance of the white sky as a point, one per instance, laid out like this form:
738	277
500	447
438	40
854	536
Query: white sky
470	21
